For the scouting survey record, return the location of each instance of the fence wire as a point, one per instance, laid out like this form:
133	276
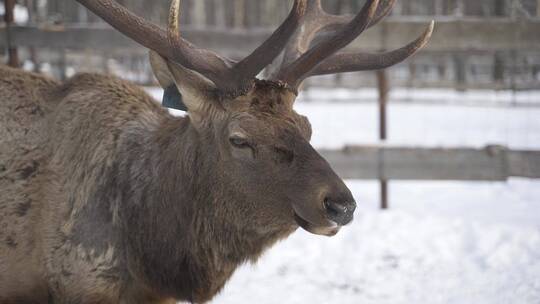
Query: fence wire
478	69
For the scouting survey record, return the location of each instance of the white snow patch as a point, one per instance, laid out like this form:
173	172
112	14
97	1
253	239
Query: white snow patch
20	13
447	96
341	123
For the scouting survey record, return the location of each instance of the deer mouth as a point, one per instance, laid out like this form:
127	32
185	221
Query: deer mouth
330	230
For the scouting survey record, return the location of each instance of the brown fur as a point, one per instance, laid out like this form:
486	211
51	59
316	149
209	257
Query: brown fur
106	198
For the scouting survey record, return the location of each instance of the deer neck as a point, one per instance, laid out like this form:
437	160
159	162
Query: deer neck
177	238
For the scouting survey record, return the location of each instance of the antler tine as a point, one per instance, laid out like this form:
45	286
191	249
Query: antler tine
324	22
261	57
223	73
206	62
301	40
155	38
382	11
351	62
135	27
337	21
294	73
229	77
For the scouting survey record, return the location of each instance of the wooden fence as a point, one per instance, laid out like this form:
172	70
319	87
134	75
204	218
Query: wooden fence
489	44
450	36
492	163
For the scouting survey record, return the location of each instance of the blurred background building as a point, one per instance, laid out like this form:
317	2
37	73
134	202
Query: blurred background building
488	44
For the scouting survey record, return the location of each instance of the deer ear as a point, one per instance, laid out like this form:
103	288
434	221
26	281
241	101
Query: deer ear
161	70
197	91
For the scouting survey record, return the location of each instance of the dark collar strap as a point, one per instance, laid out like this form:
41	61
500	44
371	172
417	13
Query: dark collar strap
173	99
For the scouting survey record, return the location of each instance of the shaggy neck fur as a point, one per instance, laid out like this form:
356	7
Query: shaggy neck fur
182	236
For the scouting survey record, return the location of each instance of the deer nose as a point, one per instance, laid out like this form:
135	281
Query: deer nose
339	211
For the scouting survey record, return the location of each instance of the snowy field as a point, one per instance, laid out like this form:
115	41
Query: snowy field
348	123
441	242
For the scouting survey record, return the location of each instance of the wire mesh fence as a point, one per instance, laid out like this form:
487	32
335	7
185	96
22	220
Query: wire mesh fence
506	66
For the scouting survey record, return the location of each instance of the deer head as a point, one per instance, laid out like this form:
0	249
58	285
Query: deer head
261	145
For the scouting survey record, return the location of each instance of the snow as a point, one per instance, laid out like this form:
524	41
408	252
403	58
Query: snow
448	96
20	13
423	124
337	121
440	242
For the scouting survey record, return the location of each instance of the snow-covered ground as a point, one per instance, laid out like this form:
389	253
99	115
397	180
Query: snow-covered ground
341	123
440	242
446	96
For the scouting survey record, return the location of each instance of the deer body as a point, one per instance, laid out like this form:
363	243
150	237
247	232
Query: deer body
79	205
106	198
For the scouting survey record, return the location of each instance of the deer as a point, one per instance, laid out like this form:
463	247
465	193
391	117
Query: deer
105	197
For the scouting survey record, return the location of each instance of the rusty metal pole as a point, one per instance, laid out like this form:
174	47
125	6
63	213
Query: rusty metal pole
383	88
13	58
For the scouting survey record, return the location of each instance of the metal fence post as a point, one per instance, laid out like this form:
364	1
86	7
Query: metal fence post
383	88
13	58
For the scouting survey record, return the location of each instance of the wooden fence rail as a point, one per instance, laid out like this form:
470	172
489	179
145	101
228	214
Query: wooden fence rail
451	35
464	53
492	163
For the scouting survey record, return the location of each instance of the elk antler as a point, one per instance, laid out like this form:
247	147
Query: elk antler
312	50
328	34
228	76
352	62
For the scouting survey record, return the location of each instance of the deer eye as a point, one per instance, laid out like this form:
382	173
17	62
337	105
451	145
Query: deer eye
284	155
239	142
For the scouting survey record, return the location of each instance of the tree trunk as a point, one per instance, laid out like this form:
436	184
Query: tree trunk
229	13
499	8
498	67
460	71
13	56
239	13
220	13
438	8
199	14
210	8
